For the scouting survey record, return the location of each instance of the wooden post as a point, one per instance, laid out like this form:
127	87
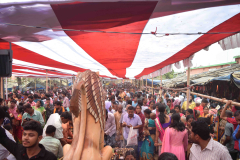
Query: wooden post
6	90
46	82
188	84
142	83
160	83
152	85
146	84
2	88
35	84
50	83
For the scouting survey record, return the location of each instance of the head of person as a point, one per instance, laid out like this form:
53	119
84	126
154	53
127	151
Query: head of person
13	103
198	102
237	116
167	97
191	98
150	97
32	134
172	111
112	98
177	108
153	116
138	109
120	108
228	113
129	102
48	101
20	109
119	99
205	110
169	102
58	104
147	113
30	99
167	156
204	102
161	109
177	95
25	95
35	96
15	95
176	123
151	104
50	131
200	131
38	104
189	119
130	111
189	112
130	155
135	99
144	100
28	108
65	117
9	128
64	94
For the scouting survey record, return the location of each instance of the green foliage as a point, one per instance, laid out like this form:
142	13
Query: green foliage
169	75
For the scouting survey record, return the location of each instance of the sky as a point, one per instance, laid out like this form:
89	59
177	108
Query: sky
215	55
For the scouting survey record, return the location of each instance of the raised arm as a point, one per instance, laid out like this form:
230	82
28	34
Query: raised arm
222	116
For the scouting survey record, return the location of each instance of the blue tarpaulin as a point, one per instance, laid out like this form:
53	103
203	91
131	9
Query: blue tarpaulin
222	78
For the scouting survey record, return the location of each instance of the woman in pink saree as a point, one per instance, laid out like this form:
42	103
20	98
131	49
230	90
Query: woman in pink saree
175	139
162	122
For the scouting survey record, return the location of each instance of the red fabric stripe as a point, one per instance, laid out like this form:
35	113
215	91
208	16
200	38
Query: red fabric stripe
231	25
14	67
23	54
115	51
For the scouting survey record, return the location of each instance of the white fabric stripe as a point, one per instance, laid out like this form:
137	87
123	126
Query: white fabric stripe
60	47
36	66
154	50
32	71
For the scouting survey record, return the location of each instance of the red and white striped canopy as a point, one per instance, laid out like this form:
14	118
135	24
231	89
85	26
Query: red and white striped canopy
117	55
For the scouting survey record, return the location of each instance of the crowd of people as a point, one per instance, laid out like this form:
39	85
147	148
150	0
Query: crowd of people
36	125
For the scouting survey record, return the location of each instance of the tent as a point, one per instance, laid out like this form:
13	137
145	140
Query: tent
120	39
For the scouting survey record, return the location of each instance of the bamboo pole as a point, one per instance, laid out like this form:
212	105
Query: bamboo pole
2	88
146	84
35	84
6	89
46	81
142	83
188	85
50	83
160	83
152	85
214	98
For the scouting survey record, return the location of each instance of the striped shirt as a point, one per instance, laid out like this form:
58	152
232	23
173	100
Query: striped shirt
213	151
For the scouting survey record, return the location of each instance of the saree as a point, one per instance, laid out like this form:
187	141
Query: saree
147	149
218	133
159	128
19	130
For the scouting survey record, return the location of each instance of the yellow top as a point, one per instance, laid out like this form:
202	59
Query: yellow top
191	106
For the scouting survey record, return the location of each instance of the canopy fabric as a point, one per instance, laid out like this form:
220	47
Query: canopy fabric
114	55
222	78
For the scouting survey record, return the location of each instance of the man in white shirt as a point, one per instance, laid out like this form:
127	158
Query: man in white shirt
56	120
204	147
52	144
110	130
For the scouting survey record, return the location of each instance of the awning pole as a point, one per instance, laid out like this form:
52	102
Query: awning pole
6	89
35	83
46	81
146	84
142	83
50	83
188	85
2	88
160	83
152	84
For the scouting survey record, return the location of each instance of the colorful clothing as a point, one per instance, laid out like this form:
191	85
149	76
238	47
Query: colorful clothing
59	111
159	128
191	106
147	149
19	130
41	110
119	129
32	104
175	142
